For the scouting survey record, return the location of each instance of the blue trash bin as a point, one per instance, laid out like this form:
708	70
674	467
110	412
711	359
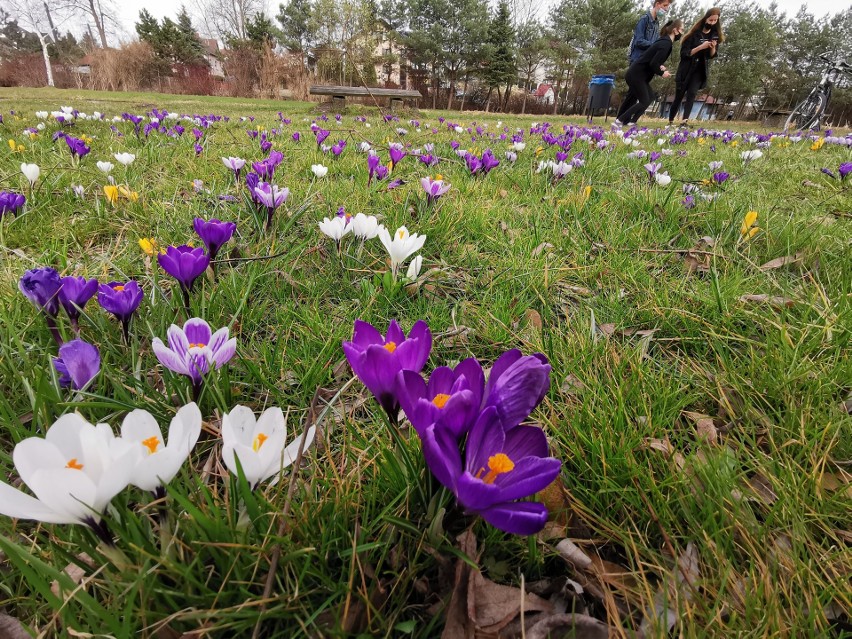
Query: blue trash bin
600	92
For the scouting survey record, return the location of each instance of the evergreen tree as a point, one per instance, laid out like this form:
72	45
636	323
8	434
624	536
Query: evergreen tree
297	34
188	49
501	69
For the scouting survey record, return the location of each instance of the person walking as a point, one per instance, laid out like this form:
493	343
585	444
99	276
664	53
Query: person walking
700	45
645	34
649	64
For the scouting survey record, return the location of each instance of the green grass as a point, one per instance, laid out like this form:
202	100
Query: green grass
361	534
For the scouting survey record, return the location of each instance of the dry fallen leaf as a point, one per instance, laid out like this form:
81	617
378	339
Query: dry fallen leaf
570	625
534	318
773	300
761	487
75	572
541	247
478	605
11	628
705	428
778	262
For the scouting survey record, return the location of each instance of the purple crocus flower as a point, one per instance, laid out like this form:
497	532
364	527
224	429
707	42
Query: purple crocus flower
721	177
397	152
11	203
473	163
271	197
688	202
41	286
373	162
296	136
845	169
321	134
195	350
652	168
500	467
428	159
235	164
337	149
186	265
214	233
381	172
516	385
434	188
489	161
198	149
828	172
252	180
265	145
452	398
74	294
377	359
264	169
122	300
393	184
77	147
78	364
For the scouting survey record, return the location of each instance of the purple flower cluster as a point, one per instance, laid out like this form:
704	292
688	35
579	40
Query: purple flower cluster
472	433
11	203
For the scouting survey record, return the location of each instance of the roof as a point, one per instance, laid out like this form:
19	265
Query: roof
542	90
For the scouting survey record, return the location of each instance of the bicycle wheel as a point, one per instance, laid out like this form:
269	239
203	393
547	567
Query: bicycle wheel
807	114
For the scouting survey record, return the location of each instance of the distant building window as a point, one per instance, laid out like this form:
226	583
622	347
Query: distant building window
387	50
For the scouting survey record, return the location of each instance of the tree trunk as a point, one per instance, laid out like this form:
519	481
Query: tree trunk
435	87
507	97
464	91
50	22
524	103
98	17
556	94
452	91
43	39
488	99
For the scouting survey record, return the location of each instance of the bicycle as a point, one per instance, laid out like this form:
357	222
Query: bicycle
808	113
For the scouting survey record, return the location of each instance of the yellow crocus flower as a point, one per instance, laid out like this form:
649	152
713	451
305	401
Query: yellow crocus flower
748	229
111	193
148	245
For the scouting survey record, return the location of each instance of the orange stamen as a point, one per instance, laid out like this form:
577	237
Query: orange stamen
72	463
152	443
441	399
118	288
390	347
258	441
497	465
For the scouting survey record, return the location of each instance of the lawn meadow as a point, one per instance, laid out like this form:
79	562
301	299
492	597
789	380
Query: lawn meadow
699	400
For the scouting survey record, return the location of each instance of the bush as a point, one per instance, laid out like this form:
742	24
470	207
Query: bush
129	68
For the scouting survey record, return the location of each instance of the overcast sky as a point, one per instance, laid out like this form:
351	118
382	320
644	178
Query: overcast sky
129	9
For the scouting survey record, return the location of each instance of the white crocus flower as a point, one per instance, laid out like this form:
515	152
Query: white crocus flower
458	129
42	115
319	170
336	227
31	172
106	167
124	158
401	246
159	461
73	472
259	444
519	146
414	268
40	126
663	179
754	154
365	227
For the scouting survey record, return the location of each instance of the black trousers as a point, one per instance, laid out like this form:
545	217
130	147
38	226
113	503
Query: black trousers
641	94
689	88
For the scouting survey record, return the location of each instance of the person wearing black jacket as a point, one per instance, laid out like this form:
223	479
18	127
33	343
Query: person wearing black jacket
649	64
699	46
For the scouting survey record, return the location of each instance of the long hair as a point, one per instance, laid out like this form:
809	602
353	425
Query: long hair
670	26
699	25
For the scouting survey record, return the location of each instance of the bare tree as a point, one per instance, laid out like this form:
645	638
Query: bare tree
101	12
33	16
228	18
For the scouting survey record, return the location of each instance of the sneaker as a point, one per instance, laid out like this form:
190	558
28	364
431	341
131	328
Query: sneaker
617	124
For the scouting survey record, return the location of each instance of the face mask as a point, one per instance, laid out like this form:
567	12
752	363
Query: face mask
677	37
661	14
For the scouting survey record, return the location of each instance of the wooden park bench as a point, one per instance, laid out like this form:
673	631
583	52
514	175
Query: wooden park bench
338	94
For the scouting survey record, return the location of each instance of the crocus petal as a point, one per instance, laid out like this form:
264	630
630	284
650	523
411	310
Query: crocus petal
169	358
225	353
197	331
185	429
518	518
529	476
441	452
14	503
